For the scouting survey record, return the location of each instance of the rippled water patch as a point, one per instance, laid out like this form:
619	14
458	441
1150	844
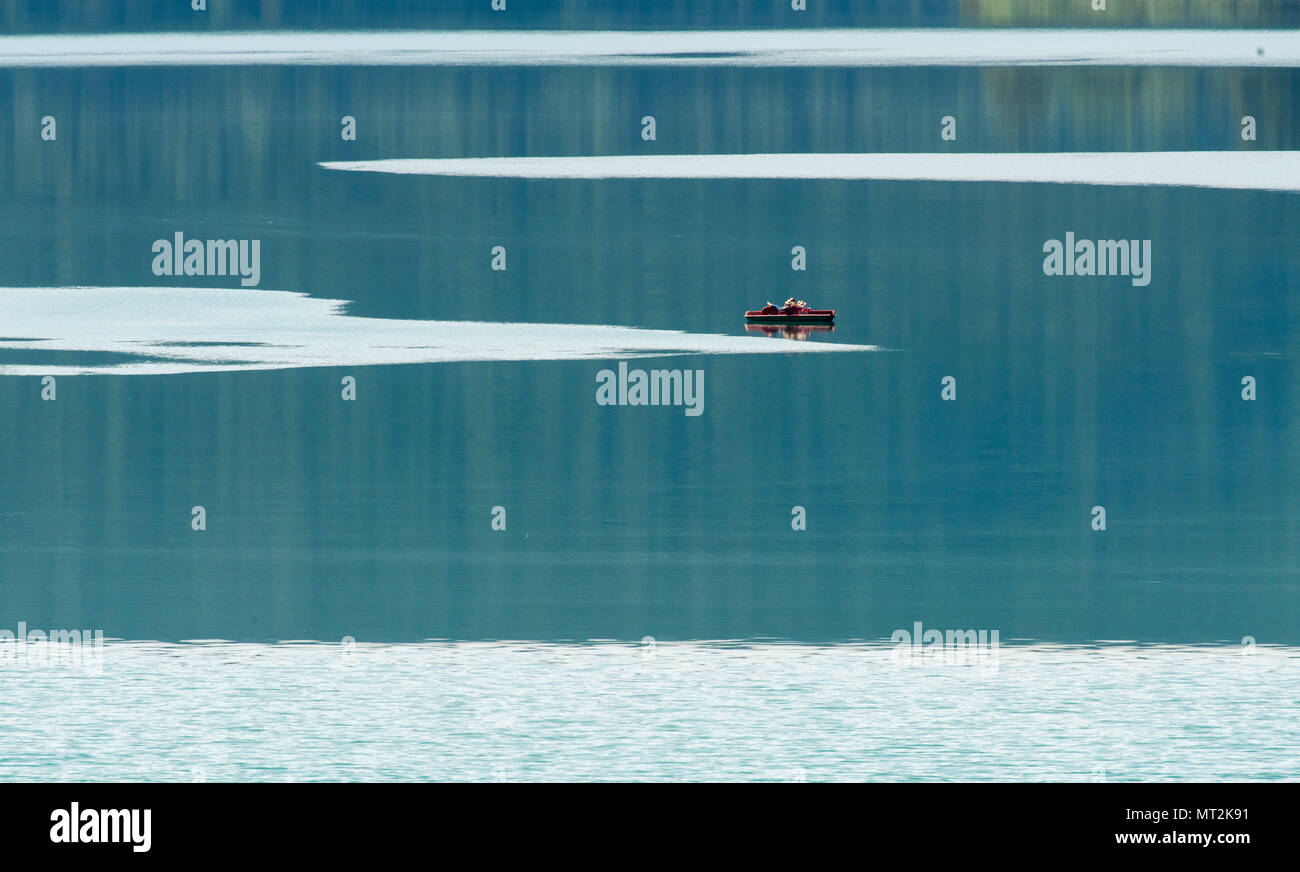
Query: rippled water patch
647	711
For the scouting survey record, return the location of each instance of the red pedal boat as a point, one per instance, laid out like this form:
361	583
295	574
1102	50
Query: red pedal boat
790	315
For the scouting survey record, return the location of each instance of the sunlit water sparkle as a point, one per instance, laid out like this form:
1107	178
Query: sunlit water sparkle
645	711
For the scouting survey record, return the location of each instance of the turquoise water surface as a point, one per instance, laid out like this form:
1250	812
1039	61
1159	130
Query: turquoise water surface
493	575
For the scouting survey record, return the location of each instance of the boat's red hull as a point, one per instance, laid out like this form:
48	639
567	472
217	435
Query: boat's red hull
808	316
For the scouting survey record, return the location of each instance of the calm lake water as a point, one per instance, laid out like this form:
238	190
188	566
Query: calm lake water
372	519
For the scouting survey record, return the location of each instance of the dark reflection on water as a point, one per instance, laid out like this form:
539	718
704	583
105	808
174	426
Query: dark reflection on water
43	357
372	518
790	331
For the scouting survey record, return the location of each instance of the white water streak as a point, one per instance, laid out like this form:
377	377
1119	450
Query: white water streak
174	330
1243	170
743	48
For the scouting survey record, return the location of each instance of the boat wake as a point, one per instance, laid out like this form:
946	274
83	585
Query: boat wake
153	331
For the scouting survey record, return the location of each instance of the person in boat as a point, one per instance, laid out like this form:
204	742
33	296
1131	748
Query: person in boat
793	306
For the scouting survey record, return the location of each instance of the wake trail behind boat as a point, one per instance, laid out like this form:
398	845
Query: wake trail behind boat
152	331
